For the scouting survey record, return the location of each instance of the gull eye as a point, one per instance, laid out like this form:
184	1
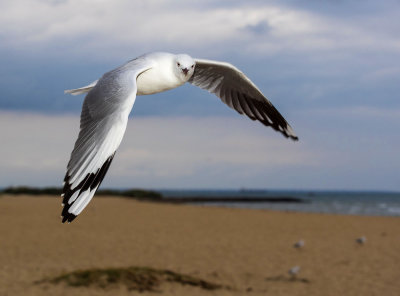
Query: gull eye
178	64
192	66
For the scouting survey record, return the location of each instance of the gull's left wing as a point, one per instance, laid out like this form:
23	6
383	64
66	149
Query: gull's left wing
237	91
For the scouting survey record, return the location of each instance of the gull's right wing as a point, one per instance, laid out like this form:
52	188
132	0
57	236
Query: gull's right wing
104	119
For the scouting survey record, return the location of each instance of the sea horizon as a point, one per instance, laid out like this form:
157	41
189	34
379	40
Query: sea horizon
348	202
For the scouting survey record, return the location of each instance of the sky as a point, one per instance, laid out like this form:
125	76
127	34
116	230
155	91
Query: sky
332	68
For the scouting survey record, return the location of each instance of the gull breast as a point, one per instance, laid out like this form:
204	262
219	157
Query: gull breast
155	80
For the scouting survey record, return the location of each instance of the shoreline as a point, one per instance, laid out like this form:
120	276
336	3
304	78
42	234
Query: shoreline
271	203
242	199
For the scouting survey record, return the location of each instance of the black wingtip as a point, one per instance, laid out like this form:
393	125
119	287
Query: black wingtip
68	218
287	131
90	182
290	133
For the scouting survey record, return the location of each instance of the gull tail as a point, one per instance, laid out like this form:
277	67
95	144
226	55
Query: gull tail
81	90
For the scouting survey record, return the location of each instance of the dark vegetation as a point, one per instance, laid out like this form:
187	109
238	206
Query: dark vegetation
134	278
31	190
293	279
244	199
135	193
151	195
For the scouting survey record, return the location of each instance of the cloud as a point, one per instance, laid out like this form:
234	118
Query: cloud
155	150
215	152
304	54
118	24
102	28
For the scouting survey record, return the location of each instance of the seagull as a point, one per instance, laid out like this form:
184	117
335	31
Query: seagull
300	244
110	99
361	240
294	271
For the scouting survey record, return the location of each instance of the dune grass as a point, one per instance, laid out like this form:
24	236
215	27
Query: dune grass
134	278
293	279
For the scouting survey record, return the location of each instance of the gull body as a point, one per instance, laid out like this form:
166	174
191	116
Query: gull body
110	99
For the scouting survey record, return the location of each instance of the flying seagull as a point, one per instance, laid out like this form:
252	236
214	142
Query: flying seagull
110	99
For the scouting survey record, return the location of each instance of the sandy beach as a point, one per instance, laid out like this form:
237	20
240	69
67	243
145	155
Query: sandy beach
249	251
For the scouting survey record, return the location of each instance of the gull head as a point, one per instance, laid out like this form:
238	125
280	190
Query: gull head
184	66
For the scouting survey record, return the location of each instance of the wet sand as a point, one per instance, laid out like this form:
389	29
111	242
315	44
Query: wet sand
250	251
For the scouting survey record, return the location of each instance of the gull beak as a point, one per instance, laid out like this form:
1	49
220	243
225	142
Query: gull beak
185	71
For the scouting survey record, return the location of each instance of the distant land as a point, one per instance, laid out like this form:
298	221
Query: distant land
135	193
151	195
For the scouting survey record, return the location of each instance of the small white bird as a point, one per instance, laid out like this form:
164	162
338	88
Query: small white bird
300	244
361	240
294	271
110	99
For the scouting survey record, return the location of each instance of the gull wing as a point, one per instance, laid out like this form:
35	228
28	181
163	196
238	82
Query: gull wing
104	119
81	90
237	91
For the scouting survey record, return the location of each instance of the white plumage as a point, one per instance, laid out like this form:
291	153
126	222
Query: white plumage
110	99
294	271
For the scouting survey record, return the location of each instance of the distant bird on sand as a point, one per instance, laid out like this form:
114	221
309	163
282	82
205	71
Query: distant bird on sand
361	240
110	99
300	244
294	271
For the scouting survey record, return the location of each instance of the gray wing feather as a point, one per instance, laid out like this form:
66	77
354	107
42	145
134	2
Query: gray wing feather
81	90
238	92
103	122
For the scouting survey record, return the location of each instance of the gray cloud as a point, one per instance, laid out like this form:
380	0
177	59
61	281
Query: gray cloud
118	27
260	28
216	152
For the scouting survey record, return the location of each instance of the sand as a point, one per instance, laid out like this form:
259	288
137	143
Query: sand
250	251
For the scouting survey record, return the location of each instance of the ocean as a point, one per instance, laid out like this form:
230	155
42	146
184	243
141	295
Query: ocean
372	203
